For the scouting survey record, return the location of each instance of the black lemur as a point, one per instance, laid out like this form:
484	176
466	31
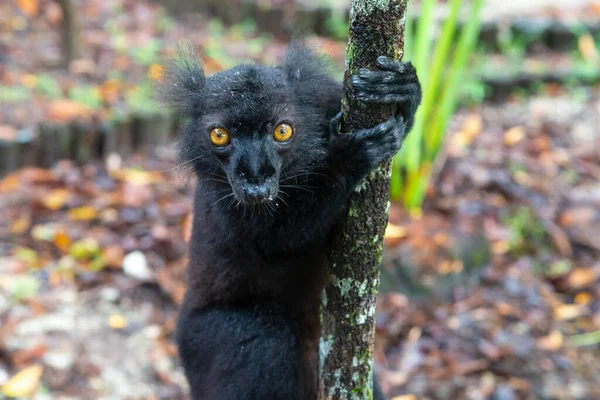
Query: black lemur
274	175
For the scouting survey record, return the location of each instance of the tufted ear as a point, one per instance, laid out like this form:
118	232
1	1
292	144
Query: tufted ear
303	63
182	81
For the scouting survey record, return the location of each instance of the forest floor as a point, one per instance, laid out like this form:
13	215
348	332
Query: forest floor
492	291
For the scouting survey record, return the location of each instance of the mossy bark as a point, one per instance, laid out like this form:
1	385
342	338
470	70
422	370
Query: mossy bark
348	304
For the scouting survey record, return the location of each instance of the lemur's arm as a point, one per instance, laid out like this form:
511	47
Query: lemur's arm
352	156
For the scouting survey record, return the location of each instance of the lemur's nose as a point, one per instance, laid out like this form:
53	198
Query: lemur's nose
257	193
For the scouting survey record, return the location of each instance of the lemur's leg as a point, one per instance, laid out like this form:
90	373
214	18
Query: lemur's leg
243	353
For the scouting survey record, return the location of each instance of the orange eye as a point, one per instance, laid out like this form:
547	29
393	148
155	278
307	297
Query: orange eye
283	132
219	137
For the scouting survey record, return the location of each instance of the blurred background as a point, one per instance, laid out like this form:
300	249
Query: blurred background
490	278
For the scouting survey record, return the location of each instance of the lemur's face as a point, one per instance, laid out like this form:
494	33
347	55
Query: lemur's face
251	131
253	156
250	136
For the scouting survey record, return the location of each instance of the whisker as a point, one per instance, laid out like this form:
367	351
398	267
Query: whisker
222	198
281	198
181	165
302	174
215	180
299	188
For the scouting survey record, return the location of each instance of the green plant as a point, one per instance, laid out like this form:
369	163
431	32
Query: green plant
337	25
86	95
141	100
441	64
148	53
48	86
13	94
527	235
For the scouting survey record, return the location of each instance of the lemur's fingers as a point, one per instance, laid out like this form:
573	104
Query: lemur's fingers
362	86
399	93
384	98
384	140
386	64
384	77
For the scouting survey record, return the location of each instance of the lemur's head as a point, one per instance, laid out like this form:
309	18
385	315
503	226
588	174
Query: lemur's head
251	129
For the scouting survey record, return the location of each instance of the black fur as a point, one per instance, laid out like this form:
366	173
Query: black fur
249	327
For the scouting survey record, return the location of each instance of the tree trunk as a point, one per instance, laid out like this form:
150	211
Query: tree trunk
348	304
70	31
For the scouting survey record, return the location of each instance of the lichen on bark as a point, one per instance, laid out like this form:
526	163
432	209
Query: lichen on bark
348	314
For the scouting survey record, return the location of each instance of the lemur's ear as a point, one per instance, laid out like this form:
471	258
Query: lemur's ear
303	63
182	81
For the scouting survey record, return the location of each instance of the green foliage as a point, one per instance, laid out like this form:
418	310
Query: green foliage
86	95
140	100
441	66
48	86
216	28
148	53
527	235
13	94
24	287
165	22
337	25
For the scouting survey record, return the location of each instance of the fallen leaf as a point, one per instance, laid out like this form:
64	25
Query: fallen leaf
500	247
65	110
9	183
393	234
514	135
26	255
24	383
28	355
29	7
85	213
567	312
577	216
19	226
43	233
56	199
113	256
581	277
405	397
155	72
117	321
587	48
62	241
395	231
505	309
29	81
21	287
135	264
473	124
583	298
84	249
553	342
137	177
110	90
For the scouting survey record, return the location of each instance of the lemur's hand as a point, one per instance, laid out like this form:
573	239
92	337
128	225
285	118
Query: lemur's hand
392	83
369	147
